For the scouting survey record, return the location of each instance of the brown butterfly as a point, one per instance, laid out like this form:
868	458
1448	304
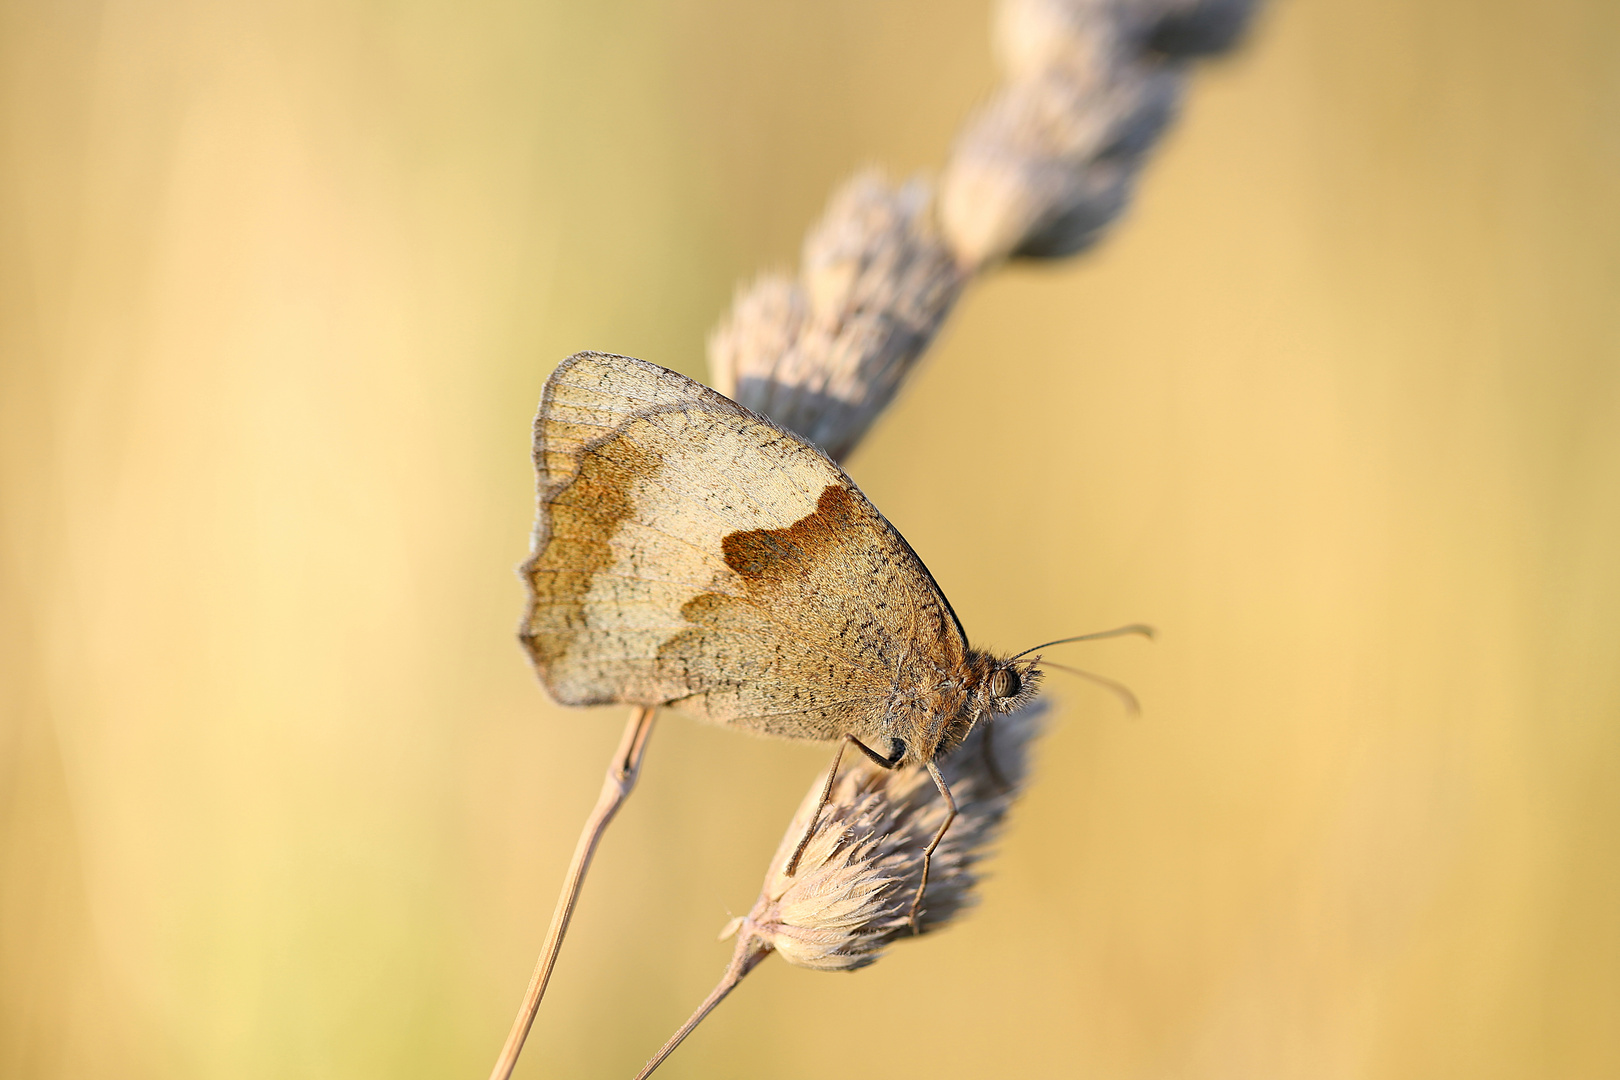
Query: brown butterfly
689	552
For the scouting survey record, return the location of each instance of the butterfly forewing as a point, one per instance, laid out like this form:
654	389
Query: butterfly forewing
688	551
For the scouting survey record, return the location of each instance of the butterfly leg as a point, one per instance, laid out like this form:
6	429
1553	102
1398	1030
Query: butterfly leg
815	815
928	852
826	789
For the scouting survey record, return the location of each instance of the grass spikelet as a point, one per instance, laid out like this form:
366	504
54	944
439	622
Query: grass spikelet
850	895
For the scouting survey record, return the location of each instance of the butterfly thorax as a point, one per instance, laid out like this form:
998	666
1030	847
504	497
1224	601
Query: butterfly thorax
935	715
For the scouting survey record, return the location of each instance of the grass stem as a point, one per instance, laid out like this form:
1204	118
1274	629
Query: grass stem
616	787
749	952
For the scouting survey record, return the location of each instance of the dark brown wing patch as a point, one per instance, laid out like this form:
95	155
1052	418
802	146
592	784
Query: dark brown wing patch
761	555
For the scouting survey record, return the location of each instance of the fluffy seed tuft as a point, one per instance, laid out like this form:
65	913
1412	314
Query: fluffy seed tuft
850	896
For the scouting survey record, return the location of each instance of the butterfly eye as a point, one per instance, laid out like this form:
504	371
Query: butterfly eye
1004	683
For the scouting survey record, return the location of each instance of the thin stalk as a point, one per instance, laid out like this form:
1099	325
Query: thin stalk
620	780
749	952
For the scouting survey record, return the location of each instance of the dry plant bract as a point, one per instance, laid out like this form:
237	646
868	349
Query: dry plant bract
850	896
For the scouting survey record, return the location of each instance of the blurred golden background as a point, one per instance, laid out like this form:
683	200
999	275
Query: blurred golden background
1337	407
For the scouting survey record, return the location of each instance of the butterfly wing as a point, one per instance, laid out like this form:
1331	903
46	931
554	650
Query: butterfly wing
688	551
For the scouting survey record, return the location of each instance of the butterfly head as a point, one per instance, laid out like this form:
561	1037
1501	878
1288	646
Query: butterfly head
994	685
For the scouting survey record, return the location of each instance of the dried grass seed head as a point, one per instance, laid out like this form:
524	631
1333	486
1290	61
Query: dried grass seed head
853	887
1031	35
824	353
1048	163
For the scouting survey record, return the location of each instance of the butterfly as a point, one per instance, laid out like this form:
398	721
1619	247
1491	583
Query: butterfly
689	552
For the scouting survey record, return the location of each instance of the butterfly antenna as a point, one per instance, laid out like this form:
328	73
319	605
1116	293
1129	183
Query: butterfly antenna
1119	631
1120	690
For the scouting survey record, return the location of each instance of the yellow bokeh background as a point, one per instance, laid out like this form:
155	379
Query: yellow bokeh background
1336	407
